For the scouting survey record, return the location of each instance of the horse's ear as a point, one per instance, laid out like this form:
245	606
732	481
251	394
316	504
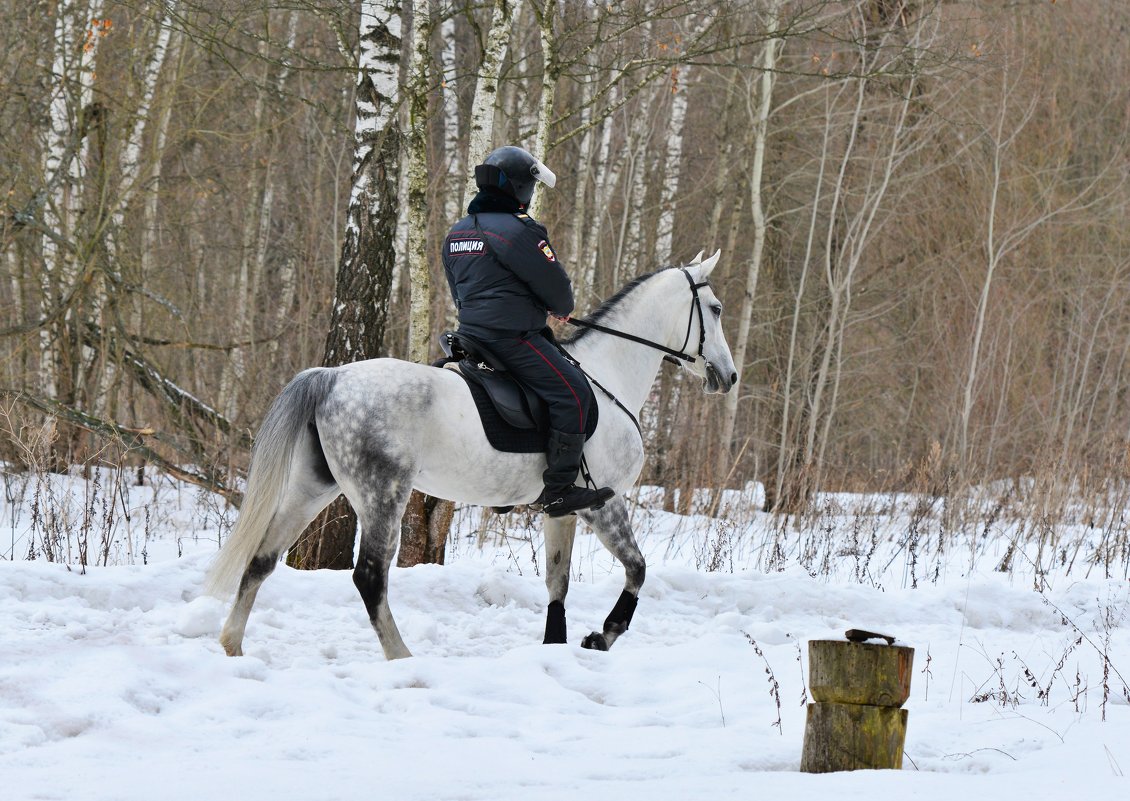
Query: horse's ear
708	265
697	259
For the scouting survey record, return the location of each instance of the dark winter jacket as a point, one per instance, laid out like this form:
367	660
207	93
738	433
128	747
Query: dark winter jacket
508	287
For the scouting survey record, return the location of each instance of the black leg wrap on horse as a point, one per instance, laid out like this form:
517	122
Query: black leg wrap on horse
621	615
555	624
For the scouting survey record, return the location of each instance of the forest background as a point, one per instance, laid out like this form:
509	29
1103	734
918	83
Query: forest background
922	210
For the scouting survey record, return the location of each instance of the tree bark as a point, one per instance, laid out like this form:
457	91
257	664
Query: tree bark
540	147
423	529
452	153
481	129
364	277
673	156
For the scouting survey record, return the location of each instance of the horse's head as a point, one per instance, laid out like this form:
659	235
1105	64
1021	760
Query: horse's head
715	364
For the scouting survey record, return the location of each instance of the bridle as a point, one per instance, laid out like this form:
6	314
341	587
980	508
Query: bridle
670	353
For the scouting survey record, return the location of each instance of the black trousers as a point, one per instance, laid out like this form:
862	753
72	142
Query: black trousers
537	363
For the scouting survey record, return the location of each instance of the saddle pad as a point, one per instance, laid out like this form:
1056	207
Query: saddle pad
506	438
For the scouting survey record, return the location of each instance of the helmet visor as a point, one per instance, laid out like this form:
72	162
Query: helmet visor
543	174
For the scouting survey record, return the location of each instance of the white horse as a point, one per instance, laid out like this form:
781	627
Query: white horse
376	429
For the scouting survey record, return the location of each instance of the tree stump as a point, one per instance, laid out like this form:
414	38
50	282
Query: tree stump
856	721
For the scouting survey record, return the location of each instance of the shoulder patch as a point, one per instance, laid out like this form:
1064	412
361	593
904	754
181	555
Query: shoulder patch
462	247
522	216
547	251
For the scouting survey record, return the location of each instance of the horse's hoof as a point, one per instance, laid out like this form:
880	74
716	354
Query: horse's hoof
595	642
231	647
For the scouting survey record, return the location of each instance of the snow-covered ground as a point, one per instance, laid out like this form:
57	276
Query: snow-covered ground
113	684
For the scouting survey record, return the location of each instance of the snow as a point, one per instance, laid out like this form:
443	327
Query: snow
113	684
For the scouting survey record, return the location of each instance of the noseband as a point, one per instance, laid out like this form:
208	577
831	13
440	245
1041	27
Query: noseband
670	353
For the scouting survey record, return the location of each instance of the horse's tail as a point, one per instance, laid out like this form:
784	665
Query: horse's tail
284	427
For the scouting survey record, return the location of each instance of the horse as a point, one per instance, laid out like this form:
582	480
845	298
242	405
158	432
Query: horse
376	429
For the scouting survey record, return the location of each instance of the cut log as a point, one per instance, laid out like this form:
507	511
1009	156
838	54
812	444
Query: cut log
859	673
852	737
856	722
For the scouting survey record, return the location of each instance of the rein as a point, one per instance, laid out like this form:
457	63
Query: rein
671	353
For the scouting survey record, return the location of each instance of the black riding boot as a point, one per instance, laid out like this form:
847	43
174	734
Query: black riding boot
561	495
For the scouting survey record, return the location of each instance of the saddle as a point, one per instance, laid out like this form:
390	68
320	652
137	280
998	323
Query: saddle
514	417
515	403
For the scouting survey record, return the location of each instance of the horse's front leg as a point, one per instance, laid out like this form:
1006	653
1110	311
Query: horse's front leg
559	533
615	531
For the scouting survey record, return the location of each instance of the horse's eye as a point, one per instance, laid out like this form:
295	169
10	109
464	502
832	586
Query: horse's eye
717	309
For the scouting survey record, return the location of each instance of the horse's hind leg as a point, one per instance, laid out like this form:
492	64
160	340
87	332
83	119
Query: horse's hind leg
380	530
231	637
559	533
613	529
287	524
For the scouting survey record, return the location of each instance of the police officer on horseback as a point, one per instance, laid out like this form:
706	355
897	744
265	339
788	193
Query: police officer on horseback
505	278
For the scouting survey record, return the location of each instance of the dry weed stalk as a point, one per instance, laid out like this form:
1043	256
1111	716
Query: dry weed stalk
774	686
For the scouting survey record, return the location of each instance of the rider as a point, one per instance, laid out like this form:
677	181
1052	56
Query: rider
505	278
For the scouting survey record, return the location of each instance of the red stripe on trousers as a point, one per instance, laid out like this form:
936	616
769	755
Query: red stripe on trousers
552	366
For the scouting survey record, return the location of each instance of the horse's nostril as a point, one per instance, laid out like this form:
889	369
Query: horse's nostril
733	379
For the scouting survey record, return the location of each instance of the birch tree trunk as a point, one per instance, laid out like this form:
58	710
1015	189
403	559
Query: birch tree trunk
364	277
150	208
540	146
130	177
420	318
423	530
481	128
632	246
165	43
669	174
730	122
760	132
79	29
604	182
671	169
95	374
582	281
453	197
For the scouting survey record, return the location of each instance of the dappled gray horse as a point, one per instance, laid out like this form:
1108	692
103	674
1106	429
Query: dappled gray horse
376	429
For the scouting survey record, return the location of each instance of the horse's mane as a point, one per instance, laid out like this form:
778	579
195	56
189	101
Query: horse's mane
606	308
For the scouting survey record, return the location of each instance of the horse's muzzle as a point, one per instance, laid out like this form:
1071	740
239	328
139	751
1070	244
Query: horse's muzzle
715	383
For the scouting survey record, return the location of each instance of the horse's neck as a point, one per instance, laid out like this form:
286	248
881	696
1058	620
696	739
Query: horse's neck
627	369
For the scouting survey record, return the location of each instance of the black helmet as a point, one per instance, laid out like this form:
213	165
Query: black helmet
514	172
